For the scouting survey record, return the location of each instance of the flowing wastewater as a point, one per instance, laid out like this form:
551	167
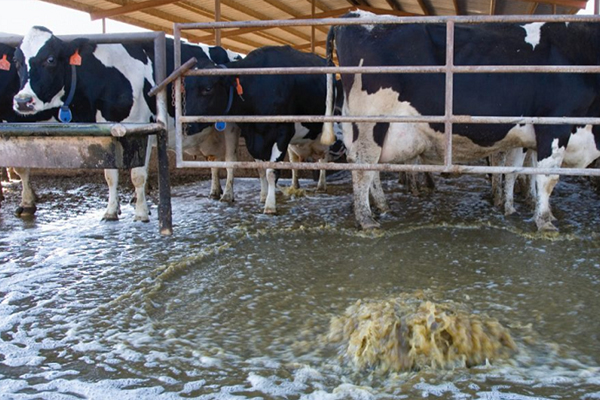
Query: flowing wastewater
238	305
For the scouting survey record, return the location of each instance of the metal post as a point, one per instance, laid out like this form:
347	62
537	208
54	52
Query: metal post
178	105
449	92
165	219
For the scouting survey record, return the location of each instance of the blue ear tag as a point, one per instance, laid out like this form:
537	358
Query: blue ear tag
64	114
220	126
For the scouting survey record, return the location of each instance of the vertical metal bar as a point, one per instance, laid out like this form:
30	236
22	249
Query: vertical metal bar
165	217
103	25
217	19
312	28
449	109
178	105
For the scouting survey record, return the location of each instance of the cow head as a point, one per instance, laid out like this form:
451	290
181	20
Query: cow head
9	82
42	62
208	95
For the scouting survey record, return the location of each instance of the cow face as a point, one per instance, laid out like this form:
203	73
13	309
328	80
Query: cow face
42	62
207	95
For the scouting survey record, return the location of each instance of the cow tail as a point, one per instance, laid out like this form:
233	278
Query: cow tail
328	137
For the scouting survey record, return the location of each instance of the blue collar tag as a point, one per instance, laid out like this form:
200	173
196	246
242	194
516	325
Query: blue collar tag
220	126
64	114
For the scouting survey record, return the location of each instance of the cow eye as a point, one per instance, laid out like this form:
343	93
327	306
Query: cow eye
50	60
207	90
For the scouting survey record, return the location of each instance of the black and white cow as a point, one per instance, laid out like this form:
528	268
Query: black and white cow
265	95
9	86
111	84
544	95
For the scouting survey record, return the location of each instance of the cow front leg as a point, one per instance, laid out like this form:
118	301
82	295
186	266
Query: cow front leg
270	202
139	177
514	158
113	209
215	187
27	208
262	176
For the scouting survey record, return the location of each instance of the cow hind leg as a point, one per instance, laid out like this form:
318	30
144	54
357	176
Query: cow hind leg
378	195
295	159
27	208
361	183
232	138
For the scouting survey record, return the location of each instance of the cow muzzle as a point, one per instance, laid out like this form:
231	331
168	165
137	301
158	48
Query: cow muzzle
24	104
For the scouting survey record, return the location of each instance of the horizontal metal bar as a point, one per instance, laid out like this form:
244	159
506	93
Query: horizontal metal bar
423	69
174	75
460	19
468	169
457	119
78	129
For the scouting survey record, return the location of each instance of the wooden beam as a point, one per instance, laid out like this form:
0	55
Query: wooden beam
129	8
424	7
320	5
392	5
580	4
532	8
492	7
456	8
289	10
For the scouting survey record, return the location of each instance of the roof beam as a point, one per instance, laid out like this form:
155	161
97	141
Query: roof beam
251	12
580	4
289	10
492	7
129	8
456	8
424	7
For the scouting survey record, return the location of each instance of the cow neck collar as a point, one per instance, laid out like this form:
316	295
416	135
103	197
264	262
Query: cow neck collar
220	125
64	113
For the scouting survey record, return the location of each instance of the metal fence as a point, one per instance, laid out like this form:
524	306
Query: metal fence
448	119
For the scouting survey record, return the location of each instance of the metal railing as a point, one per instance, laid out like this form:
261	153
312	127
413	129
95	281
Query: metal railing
448	119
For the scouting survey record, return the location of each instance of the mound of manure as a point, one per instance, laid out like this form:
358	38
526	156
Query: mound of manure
412	332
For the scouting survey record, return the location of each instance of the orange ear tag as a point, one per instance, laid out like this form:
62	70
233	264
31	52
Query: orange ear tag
238	87
4	63
75	58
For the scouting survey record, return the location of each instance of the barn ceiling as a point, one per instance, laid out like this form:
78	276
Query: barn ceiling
159	15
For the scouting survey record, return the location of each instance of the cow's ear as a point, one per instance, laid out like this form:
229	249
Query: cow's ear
77	49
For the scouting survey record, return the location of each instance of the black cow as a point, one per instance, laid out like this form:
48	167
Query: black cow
265	95
523	94
111	84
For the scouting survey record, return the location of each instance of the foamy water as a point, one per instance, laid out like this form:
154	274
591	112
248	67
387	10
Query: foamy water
237	305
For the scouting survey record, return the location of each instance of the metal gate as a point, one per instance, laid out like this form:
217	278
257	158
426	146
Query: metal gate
448	119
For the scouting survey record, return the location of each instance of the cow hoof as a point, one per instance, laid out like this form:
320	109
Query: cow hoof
215	195
322	189
141	219
110	217
509	211
227	198
546	226
24	212
270	211
369	224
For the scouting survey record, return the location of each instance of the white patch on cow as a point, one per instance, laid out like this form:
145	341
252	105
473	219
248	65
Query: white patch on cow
581	150
136	72
33	42
365	14
31	45
300	132
275	153
533	33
